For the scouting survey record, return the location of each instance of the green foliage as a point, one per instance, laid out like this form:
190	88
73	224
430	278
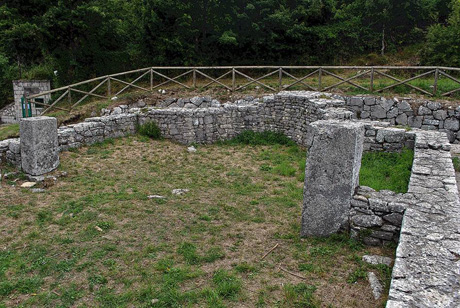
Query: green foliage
87	38
456	162
188	251
300	296
9	131
227	285
443	41
358	274
149	129
382	170
250	137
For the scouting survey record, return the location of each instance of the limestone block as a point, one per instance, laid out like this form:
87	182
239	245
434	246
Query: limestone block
39	145
452	124
378	112
331	175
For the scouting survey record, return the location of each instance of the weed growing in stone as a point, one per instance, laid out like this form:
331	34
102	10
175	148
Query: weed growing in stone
149	129
456	162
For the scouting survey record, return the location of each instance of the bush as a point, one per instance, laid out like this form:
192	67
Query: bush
150	129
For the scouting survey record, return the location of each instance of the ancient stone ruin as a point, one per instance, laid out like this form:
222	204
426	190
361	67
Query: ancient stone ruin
424	221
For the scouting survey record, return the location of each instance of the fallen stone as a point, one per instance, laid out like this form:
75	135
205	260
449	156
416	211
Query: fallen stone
191	149
180	191
377	260
376	286
156	197
38	190
28	184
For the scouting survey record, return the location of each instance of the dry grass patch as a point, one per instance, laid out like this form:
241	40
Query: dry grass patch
96	239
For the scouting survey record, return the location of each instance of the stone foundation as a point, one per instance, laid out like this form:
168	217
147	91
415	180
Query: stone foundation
426	271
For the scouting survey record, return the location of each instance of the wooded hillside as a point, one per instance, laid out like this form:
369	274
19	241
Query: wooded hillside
66	41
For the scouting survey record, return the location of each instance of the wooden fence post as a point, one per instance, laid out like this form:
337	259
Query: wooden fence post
109	88
320	74
233	79
69	96
371	85
194	78
280	81
435	85
151	79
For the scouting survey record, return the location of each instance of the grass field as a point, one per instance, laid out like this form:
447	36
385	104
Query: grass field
390	171
9	131
95	239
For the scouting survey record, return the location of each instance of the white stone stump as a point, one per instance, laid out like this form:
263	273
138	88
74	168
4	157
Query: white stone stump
39	145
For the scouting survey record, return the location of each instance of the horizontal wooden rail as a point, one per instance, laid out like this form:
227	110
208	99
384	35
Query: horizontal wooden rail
314	78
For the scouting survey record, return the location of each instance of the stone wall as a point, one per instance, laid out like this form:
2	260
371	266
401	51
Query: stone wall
97	129
10	152
416	113
375	217
203	120
8	114
426	272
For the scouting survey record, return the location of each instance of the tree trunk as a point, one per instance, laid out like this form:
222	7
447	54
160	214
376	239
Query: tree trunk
382	51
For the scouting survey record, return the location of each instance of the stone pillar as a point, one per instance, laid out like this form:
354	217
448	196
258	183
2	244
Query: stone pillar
331	175
39	145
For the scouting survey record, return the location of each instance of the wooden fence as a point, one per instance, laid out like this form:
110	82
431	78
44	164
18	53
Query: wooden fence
238	78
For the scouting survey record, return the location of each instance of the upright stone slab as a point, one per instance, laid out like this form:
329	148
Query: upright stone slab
39	145
331	175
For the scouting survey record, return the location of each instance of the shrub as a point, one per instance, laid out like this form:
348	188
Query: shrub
149	129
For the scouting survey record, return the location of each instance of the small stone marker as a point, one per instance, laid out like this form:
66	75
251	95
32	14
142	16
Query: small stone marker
376	286
331	175
179	191
191	149
39	145
156	197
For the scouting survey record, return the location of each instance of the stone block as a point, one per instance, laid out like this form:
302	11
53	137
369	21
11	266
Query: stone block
39	145
378	112
452	124
422	110
404	106
331	175
401	119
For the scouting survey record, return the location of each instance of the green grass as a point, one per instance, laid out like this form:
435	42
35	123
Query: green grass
456	162
96	240
9	131
382	170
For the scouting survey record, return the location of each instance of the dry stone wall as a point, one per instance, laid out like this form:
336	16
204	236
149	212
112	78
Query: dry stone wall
426	272
415	113
8	114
